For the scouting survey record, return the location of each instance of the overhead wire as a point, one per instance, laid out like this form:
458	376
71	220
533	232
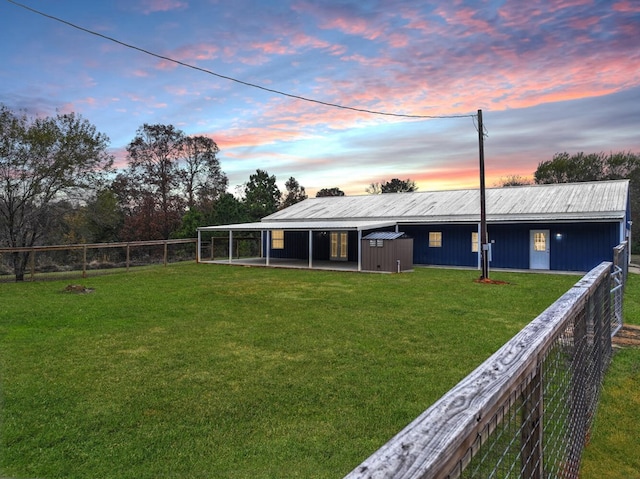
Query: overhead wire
225	77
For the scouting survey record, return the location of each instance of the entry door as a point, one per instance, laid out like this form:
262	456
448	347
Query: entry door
339	250
539	252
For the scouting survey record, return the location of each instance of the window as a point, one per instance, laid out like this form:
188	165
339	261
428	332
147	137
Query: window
277	239
539	241
435	239
474	242
339	241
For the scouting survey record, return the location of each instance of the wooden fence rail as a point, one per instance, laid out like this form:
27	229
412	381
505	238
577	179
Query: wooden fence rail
525	412
127	246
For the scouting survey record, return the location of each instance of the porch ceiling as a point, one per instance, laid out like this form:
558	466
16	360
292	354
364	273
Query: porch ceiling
302	226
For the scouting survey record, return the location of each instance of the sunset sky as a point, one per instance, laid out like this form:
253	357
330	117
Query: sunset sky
549	75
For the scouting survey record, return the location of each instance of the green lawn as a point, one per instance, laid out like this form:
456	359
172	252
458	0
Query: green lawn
202	371
614	448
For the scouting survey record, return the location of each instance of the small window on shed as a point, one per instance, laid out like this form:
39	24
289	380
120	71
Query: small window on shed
277	239
380	243
372	243
474	242
435	239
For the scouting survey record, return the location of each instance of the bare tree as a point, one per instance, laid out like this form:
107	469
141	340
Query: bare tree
44	161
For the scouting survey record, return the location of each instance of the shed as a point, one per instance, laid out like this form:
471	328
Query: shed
387	251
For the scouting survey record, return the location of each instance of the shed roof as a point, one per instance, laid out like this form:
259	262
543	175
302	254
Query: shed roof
384	235
596	201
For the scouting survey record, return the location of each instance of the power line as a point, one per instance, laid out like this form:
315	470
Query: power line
209	72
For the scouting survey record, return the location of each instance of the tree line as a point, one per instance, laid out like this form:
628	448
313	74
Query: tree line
59	184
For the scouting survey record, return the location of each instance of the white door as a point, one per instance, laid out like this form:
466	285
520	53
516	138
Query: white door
539	253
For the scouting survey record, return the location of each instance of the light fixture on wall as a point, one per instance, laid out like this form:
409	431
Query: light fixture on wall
558	236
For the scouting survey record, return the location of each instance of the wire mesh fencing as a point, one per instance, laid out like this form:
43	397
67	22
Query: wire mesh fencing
524	413
619	279
56	261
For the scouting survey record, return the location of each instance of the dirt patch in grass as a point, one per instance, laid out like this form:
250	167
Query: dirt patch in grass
629	335
77	289
490	281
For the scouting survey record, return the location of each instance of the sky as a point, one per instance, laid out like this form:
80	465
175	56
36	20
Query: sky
550	76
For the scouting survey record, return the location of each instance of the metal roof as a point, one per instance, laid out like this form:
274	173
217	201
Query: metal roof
302	225
383	235
588	201
599	200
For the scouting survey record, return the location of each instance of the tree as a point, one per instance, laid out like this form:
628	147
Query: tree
203	177
154	156
294	194
565	168
228	210
262	195
393	186
513	180
374	189
329	192
44	161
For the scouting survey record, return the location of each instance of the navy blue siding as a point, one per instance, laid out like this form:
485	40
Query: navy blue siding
296	245
456	245
583	246
573	246
510	245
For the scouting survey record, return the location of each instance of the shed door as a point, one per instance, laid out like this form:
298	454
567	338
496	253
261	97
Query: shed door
539	252
339	250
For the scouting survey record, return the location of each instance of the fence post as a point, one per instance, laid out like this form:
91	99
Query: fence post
165	253
531	433
213	256
84	261
128	257
33	264
608	311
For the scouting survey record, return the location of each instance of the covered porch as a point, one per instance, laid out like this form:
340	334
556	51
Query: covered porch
310	238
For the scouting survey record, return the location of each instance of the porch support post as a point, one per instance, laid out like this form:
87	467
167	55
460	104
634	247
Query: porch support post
230	246
310	249
359	250
268	246
479	246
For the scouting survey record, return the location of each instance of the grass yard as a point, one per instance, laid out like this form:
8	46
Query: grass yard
615	441
202	371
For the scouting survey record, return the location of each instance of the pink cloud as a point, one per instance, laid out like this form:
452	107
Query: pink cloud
152	6
468	18
626	6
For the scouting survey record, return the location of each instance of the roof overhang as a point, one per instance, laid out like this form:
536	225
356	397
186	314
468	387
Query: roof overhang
302	226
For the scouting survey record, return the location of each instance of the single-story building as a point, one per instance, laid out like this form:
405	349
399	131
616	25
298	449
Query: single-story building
563	227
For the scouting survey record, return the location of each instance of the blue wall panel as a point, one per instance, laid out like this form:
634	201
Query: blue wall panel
573	246
456	245
510	245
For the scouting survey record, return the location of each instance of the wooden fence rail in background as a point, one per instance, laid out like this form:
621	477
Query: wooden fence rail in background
127	246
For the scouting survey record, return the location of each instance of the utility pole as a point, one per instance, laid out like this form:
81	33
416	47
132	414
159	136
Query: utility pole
484	244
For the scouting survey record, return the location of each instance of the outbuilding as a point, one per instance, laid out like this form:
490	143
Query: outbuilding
387	251
562	227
